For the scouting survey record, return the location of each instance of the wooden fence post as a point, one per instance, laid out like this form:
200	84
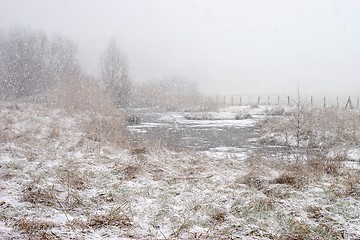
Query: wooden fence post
311	102
289	101
324	102
348	103
258	103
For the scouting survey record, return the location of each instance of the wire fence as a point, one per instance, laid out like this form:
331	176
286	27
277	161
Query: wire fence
314	101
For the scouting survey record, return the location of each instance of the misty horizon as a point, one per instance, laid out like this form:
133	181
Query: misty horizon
227	47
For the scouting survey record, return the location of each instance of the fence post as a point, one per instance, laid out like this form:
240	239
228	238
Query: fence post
324	102
311	102
337	102
357	103
289	101
348	103
268	100
258	101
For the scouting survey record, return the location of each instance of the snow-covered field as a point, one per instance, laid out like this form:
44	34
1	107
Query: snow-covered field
78	176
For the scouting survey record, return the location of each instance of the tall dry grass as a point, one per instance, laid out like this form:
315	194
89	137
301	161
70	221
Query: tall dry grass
100	119
82	94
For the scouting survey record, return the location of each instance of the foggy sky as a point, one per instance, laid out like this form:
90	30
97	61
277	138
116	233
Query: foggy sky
228	46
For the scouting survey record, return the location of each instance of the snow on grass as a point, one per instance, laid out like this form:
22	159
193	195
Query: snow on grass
61	180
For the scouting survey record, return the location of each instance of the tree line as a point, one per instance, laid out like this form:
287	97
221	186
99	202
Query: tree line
32	63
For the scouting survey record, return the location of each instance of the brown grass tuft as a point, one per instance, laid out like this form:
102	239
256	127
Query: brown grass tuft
131	171
36	228
292	179
114	218
35	194
218	215
255	180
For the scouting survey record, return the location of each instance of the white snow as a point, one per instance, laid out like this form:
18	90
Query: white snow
64	184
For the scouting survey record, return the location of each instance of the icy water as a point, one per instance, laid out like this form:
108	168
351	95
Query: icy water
225	135
175	131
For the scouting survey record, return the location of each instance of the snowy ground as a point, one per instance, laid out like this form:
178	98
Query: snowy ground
74	176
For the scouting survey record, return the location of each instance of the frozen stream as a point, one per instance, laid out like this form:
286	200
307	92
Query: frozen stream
219	132
216	133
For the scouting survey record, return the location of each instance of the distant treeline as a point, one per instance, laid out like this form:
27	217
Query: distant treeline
32	63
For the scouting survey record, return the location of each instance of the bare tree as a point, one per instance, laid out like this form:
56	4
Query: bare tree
23	62
62	60
114	72
30	63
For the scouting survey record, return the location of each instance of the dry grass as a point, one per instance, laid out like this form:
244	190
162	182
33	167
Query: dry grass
167	194
349	186
131	171
82	95
183	228
36	228
35	194
299	231
293	179
114	218
72	176
255	180
107	129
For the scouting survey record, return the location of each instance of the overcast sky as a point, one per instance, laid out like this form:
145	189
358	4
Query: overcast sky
228	46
